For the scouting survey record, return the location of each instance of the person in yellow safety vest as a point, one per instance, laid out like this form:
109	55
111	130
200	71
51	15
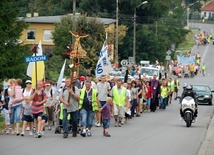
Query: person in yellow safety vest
175	85
164	92
171	90
69	96
88	104
120	99
203	67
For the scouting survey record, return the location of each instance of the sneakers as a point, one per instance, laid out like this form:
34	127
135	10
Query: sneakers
30	133
88	133
107	135
43	133
83	134
97	124
17	134
28	129
7	132
39	135
116	124
119	124
65	135
22	134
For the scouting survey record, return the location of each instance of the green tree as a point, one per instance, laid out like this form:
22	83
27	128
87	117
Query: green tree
12	53
92	45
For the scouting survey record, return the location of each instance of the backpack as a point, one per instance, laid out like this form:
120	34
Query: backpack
64	88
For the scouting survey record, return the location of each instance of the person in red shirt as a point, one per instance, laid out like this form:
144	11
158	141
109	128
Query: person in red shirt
38	97
148	95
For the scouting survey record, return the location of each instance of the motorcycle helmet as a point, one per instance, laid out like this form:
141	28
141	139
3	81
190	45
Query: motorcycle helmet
184	86
189	88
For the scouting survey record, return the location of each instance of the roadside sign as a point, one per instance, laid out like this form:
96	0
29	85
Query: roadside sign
168	52
131	60
36	58
124	62
168	57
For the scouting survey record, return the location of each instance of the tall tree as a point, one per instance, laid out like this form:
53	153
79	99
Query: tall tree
12	53
92	45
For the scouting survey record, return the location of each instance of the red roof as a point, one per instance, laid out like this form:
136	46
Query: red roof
209	7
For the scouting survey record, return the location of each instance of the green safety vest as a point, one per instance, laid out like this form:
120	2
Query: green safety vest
198	61
203	67
61	113
119	99
164	92
173	84
170	86
94	99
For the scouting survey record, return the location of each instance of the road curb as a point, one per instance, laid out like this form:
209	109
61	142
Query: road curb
207	147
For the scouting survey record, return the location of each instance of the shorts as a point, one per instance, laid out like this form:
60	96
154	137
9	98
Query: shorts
38	115
106	123
102	103
6	116
119	110
44	118
176	90
27	118
141	101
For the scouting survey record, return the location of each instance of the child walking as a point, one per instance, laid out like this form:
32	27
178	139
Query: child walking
107	111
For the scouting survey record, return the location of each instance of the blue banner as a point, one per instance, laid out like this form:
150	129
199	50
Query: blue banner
186	60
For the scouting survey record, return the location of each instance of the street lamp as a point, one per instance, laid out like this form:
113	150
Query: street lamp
134	38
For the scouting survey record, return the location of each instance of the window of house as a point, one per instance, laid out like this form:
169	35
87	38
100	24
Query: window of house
47	35
31	34
205	14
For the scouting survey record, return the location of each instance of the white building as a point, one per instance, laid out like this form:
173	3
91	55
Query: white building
207	12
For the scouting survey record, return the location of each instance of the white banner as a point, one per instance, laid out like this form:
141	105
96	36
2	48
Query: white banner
104	64
59	82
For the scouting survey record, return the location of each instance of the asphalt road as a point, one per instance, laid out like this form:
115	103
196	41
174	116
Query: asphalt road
159	133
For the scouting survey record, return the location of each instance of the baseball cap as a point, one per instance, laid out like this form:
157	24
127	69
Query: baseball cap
28	81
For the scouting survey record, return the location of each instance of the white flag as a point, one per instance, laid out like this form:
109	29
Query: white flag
103	65
59	82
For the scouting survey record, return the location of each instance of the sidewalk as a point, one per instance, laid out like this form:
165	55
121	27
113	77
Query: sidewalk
207	147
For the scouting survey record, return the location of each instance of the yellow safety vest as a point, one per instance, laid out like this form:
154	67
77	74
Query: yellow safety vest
170	86
94	99
164	91
203	67
173	84
119	99
61	113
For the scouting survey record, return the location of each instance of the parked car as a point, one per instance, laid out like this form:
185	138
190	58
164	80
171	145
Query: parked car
204	93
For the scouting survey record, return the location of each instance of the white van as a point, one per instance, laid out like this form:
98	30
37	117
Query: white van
150	71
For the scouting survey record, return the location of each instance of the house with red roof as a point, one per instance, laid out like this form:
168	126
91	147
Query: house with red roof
207	12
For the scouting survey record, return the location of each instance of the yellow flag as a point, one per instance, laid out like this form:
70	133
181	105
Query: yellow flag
40	67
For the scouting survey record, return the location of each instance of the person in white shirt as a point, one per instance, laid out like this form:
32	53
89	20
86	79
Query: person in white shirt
103	88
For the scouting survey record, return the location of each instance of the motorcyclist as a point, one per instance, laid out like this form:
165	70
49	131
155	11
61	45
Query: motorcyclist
188	91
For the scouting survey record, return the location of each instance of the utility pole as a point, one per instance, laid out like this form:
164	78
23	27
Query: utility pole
116	39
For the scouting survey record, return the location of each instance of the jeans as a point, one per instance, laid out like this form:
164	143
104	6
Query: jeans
15	114
87	117
148	101
134	104
65	121
163	102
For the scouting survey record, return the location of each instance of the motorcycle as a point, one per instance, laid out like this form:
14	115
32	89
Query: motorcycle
188	107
